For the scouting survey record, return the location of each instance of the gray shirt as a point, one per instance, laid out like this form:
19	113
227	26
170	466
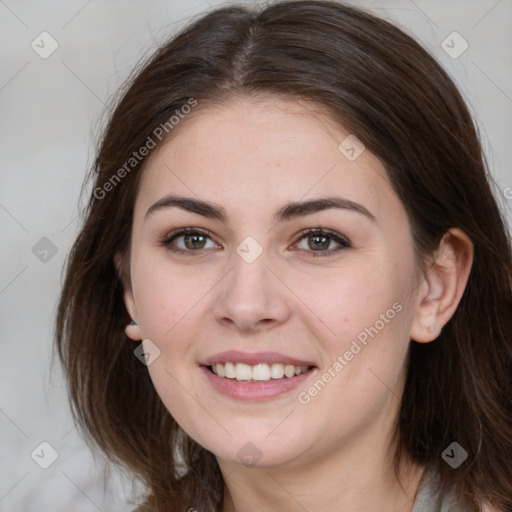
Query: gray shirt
428	498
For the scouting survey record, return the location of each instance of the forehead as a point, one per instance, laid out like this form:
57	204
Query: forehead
262	152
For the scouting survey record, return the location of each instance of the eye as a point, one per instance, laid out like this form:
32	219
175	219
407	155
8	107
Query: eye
193	240
319	239
190	240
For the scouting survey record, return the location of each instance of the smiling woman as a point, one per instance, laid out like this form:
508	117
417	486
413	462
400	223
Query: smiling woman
300	298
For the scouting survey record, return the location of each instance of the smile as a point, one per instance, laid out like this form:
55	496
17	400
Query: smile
260	372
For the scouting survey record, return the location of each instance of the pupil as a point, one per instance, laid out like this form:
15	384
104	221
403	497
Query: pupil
322	244
194	238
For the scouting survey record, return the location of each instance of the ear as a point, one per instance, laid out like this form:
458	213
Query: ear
132	330
443	285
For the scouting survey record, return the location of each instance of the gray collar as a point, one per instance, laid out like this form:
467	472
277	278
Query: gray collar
429	498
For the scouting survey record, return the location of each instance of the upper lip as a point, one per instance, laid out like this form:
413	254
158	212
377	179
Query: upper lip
234	356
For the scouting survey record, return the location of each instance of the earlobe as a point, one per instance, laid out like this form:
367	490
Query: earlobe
426	326
132	330
443	286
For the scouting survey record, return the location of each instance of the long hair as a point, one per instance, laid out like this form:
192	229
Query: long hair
381	85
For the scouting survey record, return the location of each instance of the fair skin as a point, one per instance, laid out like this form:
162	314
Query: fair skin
251	157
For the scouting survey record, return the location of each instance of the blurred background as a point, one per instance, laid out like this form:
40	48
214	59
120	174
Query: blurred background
61	62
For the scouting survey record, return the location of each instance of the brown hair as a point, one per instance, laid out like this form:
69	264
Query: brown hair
382	86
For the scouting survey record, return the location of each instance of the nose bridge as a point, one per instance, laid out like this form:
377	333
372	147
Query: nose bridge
249	293
250	273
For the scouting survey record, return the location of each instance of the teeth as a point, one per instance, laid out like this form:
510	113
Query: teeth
258	372
277	371
261	372
243	372
289	370
229	370
220	371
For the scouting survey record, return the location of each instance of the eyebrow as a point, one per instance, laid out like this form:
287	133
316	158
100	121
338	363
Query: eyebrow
287	212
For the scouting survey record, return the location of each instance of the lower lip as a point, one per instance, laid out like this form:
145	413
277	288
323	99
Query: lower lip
254	390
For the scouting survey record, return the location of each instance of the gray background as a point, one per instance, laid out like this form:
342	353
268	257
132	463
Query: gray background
51	111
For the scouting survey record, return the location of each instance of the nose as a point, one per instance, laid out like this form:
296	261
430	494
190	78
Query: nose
252	297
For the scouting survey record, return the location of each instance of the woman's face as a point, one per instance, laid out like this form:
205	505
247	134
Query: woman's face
337	306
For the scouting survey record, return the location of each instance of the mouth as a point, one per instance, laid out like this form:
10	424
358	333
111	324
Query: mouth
255	376
261	372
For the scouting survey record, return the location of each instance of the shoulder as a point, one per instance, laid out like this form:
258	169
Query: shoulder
430	499
427	498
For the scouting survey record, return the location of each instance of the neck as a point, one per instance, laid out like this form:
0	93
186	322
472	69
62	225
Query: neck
359	479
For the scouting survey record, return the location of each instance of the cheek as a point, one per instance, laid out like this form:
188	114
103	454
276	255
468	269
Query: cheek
346	300
165	295
361	319
170	312
172	383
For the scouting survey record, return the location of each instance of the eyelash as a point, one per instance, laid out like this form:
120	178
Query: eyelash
344	243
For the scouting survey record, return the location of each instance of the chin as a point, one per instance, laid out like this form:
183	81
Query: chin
253	447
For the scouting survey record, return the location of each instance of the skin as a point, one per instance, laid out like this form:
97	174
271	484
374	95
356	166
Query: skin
251	156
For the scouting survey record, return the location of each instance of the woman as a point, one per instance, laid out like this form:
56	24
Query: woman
292	287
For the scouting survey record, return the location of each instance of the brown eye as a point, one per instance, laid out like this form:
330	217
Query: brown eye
187	240
319	240
194	241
